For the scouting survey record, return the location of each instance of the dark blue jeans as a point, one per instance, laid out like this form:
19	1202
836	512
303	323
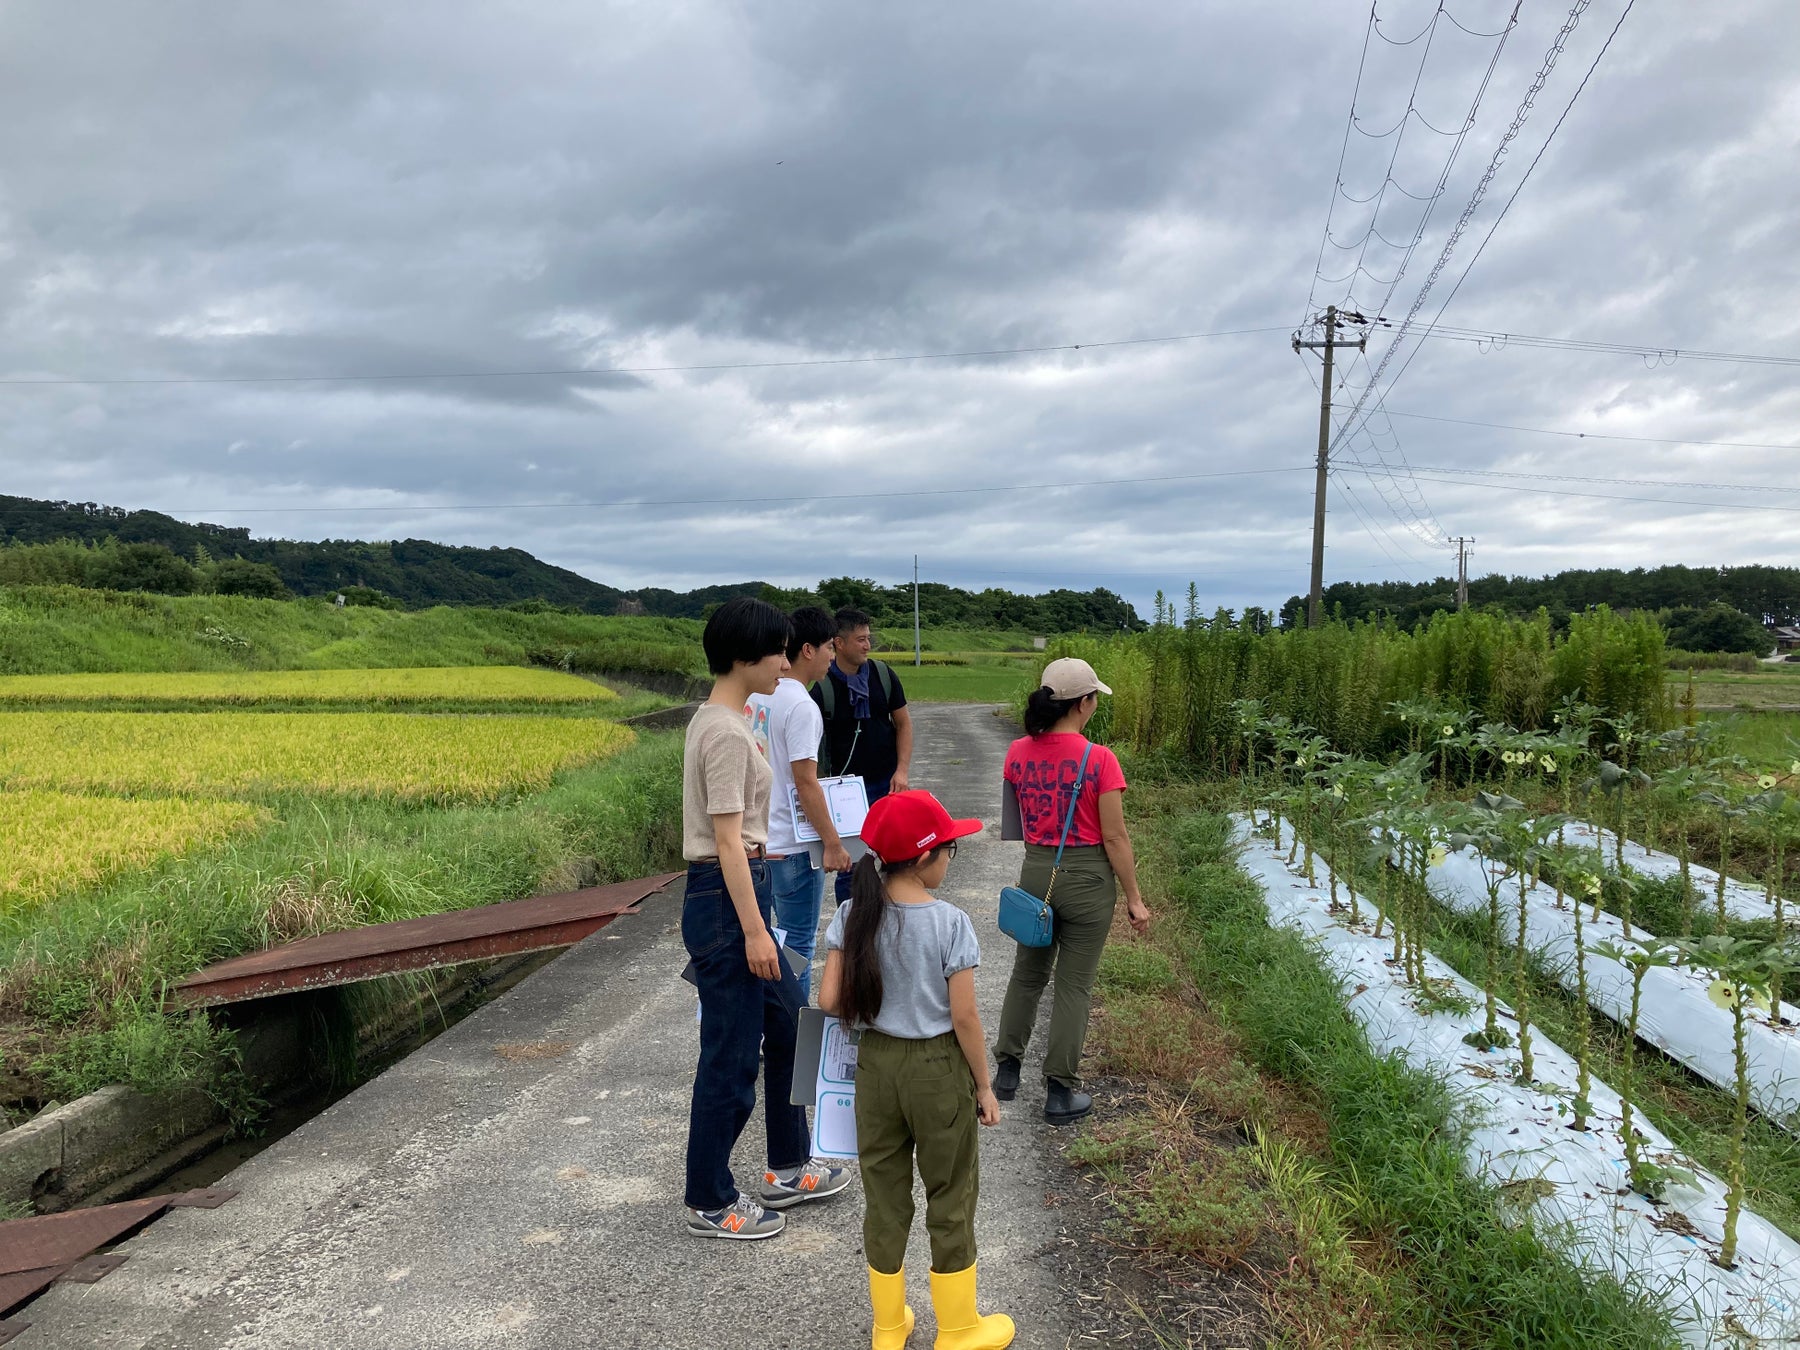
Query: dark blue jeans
739	1013
876	791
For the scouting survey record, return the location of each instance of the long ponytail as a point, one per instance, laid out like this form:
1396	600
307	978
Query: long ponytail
859	997
1044	710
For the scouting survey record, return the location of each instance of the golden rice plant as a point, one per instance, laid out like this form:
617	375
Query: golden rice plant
409	756
248	688
51	841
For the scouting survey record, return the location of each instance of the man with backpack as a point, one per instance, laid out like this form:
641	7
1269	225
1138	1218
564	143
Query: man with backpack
868	731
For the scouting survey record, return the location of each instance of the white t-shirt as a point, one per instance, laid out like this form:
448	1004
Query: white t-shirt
787	725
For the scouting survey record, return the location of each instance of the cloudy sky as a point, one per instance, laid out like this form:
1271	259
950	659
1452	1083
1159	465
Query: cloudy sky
239	206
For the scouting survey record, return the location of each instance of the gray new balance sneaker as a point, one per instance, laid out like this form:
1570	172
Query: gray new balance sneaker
743	1220
815	1181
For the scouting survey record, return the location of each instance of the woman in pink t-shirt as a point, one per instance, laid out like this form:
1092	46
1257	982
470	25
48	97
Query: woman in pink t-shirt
1040	771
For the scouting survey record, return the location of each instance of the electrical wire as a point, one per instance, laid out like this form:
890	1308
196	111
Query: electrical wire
1618	497
1589	435
351	377
401	508
1548	66
1536	88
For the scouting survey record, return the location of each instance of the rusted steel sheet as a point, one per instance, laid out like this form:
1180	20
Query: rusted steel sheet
476	934
36	1252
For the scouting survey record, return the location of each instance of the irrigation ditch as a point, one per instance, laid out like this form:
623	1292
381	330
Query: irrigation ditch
297	1054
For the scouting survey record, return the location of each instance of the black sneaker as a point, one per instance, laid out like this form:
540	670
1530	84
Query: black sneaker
1006	1077
1065	1105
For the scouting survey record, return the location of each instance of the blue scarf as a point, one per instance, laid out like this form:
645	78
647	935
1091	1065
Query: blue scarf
858	685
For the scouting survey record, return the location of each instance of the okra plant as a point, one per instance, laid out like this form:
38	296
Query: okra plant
1640	959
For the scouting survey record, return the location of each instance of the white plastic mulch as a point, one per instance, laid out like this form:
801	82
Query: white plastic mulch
1520	1141
1742	900
1678	1015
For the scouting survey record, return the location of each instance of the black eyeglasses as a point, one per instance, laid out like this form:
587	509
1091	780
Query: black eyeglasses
950	848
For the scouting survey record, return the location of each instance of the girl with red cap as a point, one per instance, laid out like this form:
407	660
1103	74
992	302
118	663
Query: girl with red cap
900	968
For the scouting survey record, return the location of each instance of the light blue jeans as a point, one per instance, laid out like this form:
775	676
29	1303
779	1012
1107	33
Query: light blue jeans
797	889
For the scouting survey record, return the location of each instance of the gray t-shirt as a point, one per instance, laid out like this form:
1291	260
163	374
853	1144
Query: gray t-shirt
920	948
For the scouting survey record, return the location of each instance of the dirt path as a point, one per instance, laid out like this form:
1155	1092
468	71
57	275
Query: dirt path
517	1182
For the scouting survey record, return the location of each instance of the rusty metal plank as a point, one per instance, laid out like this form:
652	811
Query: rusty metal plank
476	934
63	1239
93	1269
10	1329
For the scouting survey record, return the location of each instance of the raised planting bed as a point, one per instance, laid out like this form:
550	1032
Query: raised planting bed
1519	1139
1743	900
1678	1015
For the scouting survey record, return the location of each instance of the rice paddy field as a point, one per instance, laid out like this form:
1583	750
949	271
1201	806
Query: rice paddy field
154	822
429	687
411	757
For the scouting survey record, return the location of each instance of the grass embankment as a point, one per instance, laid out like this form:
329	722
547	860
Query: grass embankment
82	979
1353	1201
62	629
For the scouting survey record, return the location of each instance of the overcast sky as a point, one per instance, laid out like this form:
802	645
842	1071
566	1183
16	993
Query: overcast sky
257	190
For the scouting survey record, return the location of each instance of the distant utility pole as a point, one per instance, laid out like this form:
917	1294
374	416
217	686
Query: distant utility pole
1330	344
918	658
1462	543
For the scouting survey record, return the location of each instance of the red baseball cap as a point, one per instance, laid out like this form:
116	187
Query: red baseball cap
904	825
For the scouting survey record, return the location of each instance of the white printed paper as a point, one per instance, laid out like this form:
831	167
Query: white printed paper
834	1109
845	798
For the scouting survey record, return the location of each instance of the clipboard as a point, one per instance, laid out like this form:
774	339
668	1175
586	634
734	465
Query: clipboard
1012	825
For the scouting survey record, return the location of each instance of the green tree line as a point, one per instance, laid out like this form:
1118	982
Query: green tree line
1769	595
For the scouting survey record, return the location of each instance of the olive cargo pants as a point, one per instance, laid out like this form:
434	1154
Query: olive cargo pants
916	1098
1083	902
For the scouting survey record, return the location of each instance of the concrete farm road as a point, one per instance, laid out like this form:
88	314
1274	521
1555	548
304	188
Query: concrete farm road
517	1181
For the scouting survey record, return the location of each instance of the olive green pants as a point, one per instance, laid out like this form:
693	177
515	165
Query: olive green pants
916	1098
1083	901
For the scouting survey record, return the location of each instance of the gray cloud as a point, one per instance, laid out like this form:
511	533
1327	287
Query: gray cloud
333	189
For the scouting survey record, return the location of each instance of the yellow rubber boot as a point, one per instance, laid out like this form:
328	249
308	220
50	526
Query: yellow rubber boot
960	1327
893	1319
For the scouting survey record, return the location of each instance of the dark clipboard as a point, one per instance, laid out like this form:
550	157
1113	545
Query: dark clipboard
1012	826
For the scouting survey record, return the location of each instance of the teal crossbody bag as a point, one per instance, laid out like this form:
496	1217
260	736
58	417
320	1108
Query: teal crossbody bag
1025	918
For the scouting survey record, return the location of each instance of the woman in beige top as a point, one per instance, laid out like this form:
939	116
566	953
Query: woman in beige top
749	997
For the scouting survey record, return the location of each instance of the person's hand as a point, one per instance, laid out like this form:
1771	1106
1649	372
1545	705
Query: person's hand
837	857
763	955
899	781
1138	913
987	1106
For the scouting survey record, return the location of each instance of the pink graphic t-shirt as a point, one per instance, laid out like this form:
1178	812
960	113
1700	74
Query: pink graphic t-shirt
1042	772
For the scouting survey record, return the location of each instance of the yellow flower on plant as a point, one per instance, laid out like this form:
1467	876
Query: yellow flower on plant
1591	884
1451	731
1548	763
1794	767
1766	782
1438	854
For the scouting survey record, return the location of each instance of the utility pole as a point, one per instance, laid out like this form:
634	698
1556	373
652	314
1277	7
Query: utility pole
1462	543
918	658
1330	344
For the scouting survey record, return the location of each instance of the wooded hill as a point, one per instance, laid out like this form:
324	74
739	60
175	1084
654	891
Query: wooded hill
108	547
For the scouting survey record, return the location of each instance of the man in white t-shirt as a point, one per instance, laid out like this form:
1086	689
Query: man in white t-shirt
788	725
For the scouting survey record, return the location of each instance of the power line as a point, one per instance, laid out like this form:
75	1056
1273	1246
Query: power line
1589	435
638	370
1618	497
403	508
1511	133
1495	339
1590	478
1550	60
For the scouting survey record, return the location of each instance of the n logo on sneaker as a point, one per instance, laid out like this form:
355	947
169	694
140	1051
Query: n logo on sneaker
735	1222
